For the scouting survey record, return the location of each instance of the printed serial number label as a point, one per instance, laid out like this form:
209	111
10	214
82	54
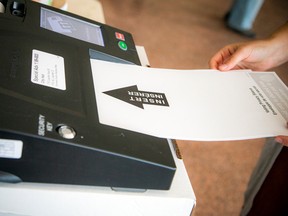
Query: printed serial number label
11	148
48	70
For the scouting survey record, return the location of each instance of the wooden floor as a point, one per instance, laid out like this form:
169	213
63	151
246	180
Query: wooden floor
184	34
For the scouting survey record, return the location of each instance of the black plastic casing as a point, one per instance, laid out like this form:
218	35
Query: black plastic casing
98	155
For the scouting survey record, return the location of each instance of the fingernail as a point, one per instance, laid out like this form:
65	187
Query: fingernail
223	66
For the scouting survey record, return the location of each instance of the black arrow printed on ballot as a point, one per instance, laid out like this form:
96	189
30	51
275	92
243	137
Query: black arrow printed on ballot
133	96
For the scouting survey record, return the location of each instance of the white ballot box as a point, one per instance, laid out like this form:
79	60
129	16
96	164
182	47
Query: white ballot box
50	199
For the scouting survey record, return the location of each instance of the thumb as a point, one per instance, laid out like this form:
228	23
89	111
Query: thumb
233	61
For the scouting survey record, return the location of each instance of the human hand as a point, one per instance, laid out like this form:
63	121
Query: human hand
255	55
282	139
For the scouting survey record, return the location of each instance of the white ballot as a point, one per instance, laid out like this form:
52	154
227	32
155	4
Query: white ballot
203	105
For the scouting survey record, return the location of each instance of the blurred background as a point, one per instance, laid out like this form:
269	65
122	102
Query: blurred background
185	34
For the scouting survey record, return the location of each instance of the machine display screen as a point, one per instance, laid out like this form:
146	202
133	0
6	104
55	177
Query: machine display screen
71	27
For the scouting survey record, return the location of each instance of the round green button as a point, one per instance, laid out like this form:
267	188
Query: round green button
122	45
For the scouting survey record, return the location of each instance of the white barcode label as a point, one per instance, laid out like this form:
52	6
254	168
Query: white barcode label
11	148
48	70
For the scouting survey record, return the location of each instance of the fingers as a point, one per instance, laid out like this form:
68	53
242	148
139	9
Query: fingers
235	60
213	64
282	140
218	59
222	59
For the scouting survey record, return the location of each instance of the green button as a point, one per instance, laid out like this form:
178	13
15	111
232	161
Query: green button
122	45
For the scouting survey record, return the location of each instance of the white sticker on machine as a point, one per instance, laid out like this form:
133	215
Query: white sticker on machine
11	148
48	70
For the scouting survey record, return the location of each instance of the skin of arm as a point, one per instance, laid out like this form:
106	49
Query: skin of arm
259	55
256	55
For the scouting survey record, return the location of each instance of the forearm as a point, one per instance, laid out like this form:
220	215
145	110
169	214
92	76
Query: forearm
279	43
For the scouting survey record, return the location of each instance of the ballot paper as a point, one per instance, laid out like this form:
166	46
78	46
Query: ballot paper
204	105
